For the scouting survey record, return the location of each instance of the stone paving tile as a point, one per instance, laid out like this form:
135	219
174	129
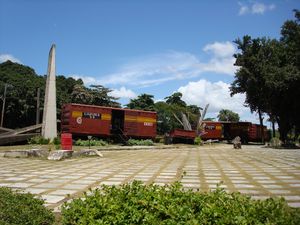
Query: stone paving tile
47	185
255	171
35	190
74	186
52	199
19	185
63	192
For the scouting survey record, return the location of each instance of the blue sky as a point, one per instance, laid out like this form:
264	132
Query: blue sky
142	46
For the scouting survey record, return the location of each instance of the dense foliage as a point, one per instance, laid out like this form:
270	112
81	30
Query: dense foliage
143	102
38	140
20	208
174	105
22	87
269	75
228	115
133	142
92	142
138	204
198	141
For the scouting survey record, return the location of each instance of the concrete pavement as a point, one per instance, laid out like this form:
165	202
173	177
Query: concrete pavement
253	170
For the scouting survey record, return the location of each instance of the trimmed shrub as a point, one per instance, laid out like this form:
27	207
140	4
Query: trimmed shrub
56	141
198	141
92	142
146	142
139	204
21	208
38	140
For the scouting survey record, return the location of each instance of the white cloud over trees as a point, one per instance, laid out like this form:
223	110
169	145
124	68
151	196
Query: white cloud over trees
216	94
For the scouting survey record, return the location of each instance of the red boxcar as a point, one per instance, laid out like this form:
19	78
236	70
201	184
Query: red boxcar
247	131
212	130
180	133
183	136
83	120
255	133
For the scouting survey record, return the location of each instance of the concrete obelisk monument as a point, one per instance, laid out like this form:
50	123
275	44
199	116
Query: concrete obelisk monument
49	128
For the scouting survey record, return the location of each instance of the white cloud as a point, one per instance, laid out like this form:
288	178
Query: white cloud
243	10
123	93
87	80
260	8
217	95
5	57
173	65
220	49
255	8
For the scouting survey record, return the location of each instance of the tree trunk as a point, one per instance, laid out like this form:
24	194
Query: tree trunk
282	130
273	128
262	133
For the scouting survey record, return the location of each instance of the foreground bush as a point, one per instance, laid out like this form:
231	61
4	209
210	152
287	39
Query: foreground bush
19	208
38	140
146	142
92	142
198	141
138	204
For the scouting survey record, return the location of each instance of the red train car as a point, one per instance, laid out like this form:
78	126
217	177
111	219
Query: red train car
182	136
247	131
83	120
254	133
213	130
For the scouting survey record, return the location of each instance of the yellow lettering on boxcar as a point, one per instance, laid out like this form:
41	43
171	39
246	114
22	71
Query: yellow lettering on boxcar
140	119
76	114
105	116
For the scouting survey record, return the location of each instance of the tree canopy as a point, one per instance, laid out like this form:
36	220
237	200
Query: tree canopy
23	83
269	75
143	102
175	99
228	115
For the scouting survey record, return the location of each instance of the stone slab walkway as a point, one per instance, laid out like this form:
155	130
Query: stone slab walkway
253	170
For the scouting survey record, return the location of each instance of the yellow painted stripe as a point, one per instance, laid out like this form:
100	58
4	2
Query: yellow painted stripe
146	119
105	117
218	127
139	119
131	118
76	114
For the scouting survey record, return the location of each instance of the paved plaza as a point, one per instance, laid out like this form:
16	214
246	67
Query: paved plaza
259	172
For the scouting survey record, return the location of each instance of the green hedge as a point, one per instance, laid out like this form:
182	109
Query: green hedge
92	142
146	142
20	208
39	140
138	204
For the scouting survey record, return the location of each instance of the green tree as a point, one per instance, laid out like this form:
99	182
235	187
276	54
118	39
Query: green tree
269	76
100	96
290	38
175	99
228	115
143	102
165	117
20	108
